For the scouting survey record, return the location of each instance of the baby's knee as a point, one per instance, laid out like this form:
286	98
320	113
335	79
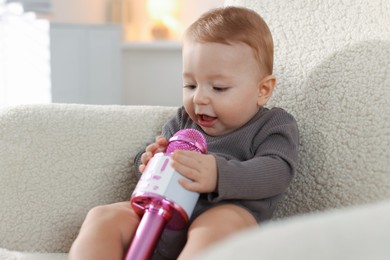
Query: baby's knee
99	212
113	213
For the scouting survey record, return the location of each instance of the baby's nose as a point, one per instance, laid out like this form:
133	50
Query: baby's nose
201	97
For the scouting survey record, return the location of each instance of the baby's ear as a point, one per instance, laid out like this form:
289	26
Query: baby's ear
266	87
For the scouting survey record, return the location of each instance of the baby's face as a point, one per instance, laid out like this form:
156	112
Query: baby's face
221	85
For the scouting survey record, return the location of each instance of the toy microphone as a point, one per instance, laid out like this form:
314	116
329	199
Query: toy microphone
159	199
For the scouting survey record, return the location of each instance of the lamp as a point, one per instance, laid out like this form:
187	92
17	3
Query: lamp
163	15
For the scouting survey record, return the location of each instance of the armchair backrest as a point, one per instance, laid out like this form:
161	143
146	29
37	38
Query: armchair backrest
332	61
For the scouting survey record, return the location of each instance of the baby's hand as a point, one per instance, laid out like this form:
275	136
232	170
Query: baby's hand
201	169
159	146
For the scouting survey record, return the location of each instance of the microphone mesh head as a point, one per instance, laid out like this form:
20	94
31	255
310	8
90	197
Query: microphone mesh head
187	139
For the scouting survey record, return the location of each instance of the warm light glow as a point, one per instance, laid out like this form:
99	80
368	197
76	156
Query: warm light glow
146	20
163	14
159	9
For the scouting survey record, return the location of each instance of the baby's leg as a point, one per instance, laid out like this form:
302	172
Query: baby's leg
105	233
215	224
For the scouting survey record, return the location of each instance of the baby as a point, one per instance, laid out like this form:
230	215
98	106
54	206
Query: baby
252	150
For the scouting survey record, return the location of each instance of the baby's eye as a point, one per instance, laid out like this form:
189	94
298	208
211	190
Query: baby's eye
220	89
190	87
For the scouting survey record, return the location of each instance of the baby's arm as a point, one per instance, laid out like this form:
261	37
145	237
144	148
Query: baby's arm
271	169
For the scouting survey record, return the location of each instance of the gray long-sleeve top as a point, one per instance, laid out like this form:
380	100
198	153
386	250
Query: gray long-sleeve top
255	163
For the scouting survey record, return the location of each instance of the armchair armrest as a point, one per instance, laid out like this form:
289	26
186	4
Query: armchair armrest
57	161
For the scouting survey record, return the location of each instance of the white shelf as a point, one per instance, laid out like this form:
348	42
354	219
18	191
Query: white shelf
152	45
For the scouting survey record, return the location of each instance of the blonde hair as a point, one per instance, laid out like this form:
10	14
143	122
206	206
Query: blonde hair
236	24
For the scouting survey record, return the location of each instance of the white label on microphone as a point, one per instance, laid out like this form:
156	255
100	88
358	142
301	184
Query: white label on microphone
160	178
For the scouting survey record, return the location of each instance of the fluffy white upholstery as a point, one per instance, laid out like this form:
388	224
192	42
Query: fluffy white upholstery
332	64
359	233
15	255
58	161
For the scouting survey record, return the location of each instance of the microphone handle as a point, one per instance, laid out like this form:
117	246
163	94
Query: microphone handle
148	232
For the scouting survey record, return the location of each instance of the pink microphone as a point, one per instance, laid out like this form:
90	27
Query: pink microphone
159	199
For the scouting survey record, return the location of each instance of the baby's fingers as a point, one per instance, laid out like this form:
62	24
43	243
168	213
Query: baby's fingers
141	168
145	157
161	140
190	185
157	147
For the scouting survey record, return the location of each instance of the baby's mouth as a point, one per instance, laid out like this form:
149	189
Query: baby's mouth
205	120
